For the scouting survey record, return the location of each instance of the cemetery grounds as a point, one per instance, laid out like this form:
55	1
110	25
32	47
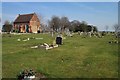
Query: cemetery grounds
78	57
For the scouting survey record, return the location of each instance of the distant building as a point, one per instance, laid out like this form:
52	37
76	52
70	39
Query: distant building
27	23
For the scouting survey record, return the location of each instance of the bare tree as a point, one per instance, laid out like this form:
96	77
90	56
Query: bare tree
7	27
41	18
64	23
106	27
75	26
6	22
84	26
117	29
54	23
42	21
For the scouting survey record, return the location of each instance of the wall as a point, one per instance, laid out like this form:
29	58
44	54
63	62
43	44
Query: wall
35	24
20	27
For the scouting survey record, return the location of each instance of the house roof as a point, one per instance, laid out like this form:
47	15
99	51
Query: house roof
24	18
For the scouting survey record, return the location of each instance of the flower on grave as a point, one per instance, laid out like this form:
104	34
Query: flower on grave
26	74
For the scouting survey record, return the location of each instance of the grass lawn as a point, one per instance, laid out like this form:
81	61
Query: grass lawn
82	57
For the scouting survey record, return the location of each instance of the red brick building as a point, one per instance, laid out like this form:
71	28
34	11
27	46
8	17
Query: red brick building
29	23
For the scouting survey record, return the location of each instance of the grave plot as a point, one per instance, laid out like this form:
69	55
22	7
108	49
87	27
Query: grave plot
45	46
27	39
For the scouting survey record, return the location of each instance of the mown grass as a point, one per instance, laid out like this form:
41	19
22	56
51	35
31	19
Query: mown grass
78	57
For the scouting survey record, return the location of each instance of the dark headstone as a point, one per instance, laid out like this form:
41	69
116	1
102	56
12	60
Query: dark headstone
59	40
38	31
110	41
103	33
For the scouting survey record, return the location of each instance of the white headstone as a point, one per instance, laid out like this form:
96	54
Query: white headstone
89	34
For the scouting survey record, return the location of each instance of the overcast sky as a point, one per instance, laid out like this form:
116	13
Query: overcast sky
96	13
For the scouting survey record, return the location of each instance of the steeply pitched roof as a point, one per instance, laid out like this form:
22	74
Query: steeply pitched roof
25	18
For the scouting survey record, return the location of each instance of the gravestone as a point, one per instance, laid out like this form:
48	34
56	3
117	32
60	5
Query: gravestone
89	33
81	33
52	34
59	40
78	32
99	35
68	33
38	31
